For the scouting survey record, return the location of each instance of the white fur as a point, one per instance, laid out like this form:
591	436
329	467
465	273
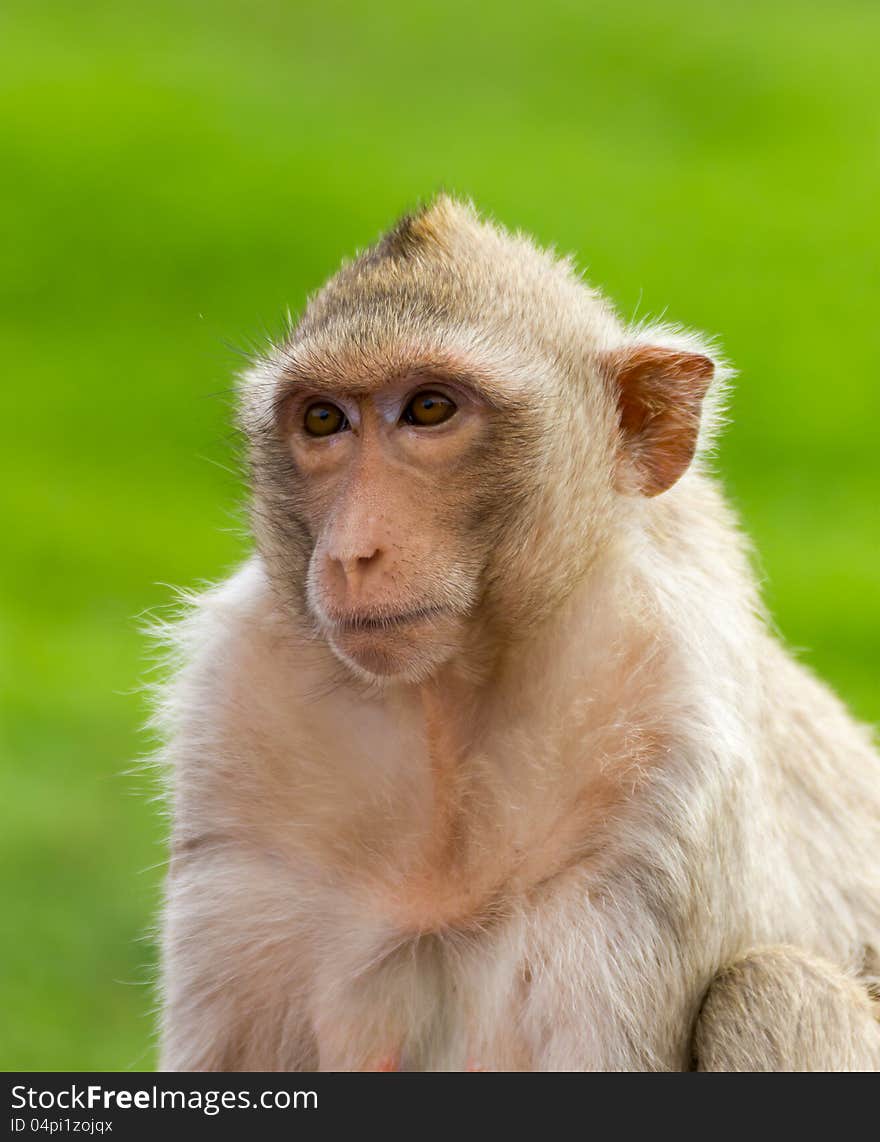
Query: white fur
651	786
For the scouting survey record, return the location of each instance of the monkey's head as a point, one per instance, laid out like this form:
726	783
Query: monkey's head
450	435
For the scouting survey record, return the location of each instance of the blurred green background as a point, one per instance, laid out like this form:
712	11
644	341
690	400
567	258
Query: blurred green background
174	175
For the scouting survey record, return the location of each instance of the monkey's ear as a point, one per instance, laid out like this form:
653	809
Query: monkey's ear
659	399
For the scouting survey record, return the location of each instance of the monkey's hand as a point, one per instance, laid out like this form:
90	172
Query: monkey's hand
780	1009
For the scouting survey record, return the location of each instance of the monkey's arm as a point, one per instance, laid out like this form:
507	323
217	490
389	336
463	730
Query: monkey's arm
779	1009
232	983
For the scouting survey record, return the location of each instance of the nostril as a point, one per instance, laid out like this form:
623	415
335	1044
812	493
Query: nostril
357	564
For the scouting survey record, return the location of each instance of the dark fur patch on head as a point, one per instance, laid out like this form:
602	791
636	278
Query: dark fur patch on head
402	240
413	232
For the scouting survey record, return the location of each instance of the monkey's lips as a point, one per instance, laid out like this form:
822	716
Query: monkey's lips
408	642
379	622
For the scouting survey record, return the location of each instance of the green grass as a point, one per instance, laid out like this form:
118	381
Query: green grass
176	174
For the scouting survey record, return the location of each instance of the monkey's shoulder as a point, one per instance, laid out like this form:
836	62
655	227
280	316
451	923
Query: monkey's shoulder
211	622
234	654
255	702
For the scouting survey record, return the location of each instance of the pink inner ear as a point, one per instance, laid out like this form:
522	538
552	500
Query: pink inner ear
660	393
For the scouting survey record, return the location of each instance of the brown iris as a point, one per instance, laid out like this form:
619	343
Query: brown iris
428	408
323	419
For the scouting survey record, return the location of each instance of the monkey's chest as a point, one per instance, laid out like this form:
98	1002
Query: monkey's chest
431	970
450	1000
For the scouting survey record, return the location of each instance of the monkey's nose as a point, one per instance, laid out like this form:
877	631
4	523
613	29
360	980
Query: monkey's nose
355	570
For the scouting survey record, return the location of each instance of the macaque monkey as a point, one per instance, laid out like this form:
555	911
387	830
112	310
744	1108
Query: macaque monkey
488	758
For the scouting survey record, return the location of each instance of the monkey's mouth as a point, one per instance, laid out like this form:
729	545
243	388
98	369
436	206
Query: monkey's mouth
382	644
379	622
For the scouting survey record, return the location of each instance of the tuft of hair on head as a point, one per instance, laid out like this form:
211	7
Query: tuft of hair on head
425	226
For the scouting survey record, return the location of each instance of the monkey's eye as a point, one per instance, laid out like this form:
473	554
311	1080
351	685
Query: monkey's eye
428	408
323	419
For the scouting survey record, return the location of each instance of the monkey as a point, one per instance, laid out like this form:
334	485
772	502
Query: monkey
489	757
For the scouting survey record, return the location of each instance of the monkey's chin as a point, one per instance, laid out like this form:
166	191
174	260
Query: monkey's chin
407	654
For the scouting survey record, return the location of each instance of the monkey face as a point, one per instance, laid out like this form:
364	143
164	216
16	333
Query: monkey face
450	437
388	490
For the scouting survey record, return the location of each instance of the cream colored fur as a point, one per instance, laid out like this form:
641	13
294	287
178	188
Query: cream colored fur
646	786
